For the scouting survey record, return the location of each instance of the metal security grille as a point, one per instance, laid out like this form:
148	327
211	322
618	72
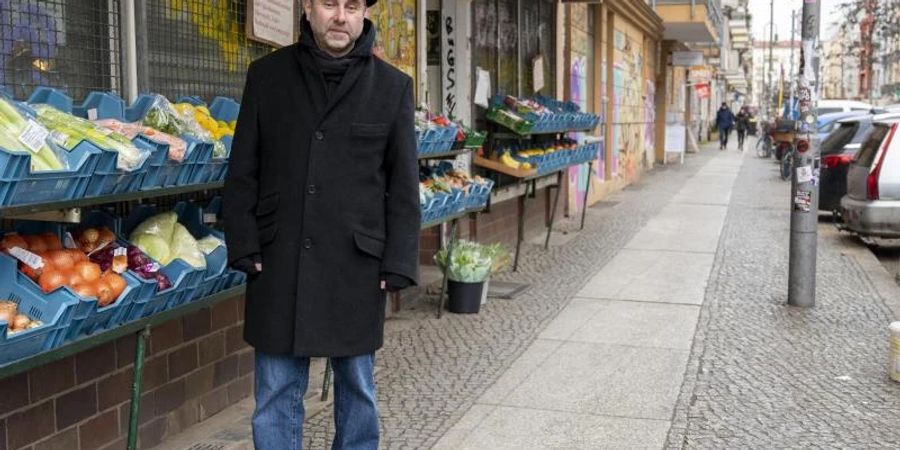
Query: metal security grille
69	44
197	47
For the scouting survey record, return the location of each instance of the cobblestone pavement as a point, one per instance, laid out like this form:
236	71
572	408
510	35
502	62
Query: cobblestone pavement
765	375
432	371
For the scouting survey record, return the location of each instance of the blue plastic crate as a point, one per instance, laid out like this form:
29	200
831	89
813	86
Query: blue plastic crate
116	181
99	318
192	99
55	310
183	276
101	105
224	108
48	186
191	216
51	96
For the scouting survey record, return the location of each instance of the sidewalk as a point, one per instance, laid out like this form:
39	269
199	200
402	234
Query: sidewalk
607	371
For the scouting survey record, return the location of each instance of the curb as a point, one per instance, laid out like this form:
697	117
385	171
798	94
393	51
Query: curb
881	280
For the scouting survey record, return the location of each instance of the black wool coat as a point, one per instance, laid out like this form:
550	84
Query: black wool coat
326	192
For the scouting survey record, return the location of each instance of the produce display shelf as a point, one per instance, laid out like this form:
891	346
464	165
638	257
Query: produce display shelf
125	329
451	217
20	210
445	155
512	134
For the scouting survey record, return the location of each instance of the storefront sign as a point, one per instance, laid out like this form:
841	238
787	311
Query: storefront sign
702	90
272	21
687	59
699	74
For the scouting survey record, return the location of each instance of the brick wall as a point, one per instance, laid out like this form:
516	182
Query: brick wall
196	366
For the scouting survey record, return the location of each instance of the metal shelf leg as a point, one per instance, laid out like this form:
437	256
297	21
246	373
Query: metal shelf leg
137	384
587	192
559	180
521	230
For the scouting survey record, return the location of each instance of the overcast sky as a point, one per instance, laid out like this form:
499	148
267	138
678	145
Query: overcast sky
760	11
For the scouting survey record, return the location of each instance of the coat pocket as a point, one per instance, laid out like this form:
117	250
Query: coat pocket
369	130
266	208
266	233
369	245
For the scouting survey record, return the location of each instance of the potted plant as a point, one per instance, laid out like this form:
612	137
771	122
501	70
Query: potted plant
467	271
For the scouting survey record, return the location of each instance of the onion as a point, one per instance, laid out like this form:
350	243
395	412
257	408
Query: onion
88	270
52	241
13	240
52	279
21	321
105	295
90	235
88	290
36	244
60	260
7	316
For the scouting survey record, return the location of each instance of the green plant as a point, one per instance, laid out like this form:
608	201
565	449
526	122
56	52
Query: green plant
471	262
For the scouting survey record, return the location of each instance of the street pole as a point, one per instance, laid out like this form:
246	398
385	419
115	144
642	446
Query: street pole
771	43
804	180
791	72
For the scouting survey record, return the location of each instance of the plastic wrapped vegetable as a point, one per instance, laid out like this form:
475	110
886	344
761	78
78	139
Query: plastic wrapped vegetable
201	125
68	130
19	132
177	146
164	239
137	262
209	243
166	117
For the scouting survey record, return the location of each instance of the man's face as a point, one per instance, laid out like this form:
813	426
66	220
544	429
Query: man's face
336	24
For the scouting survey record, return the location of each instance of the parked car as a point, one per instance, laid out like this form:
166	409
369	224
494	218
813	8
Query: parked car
833	106
827	123
872	204
837	152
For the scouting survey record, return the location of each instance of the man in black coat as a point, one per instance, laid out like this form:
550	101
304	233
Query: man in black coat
322	211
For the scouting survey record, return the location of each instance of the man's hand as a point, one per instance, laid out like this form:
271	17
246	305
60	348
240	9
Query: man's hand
392	282
251	265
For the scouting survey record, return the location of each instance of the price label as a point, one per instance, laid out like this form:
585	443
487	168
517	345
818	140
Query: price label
92	114
154	267
121	251
120	260
209	218
27	258
69	241
34	136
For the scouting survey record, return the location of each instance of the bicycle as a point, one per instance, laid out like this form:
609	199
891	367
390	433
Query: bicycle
787	163
764	146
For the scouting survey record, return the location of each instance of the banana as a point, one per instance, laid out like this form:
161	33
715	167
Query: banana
509	161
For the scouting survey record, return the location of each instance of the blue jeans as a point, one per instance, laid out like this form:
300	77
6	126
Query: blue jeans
723	136
281	383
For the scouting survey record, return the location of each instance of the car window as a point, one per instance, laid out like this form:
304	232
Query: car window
827	127
840	137
856	108
823	111
869	149
862	132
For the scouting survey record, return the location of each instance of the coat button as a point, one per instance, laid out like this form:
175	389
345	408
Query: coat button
307	244
311	189
320	135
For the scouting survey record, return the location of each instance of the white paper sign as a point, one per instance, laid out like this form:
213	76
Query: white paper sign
482	87
538	71
675	138
209	218
34	136
120	251
92	114
28	258
272	21
804	174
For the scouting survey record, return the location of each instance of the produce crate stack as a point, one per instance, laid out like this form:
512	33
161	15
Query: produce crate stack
445	191
539	116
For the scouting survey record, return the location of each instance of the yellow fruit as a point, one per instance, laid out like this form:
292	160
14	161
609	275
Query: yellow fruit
233	124
204	109
509	161
526	166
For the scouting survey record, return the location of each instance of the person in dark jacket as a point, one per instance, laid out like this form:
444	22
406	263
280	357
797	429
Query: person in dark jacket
321	210
724	123
741	125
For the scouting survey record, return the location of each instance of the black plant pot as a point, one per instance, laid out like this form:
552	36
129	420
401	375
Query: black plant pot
465	298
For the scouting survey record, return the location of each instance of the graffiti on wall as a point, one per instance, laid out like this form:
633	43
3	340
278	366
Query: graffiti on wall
578	86
395	21
649	120
628	107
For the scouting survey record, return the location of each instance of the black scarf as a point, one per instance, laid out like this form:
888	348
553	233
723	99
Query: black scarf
333	69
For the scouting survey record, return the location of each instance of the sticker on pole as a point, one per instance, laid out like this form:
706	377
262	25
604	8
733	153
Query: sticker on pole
804	174
34	136
802	201
27	258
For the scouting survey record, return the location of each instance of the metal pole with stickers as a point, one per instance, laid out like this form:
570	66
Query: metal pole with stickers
805	177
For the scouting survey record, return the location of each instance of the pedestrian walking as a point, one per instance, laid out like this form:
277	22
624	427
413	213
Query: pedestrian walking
321	211
724	123
742	125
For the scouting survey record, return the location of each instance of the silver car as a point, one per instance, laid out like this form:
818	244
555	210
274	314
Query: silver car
872	204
